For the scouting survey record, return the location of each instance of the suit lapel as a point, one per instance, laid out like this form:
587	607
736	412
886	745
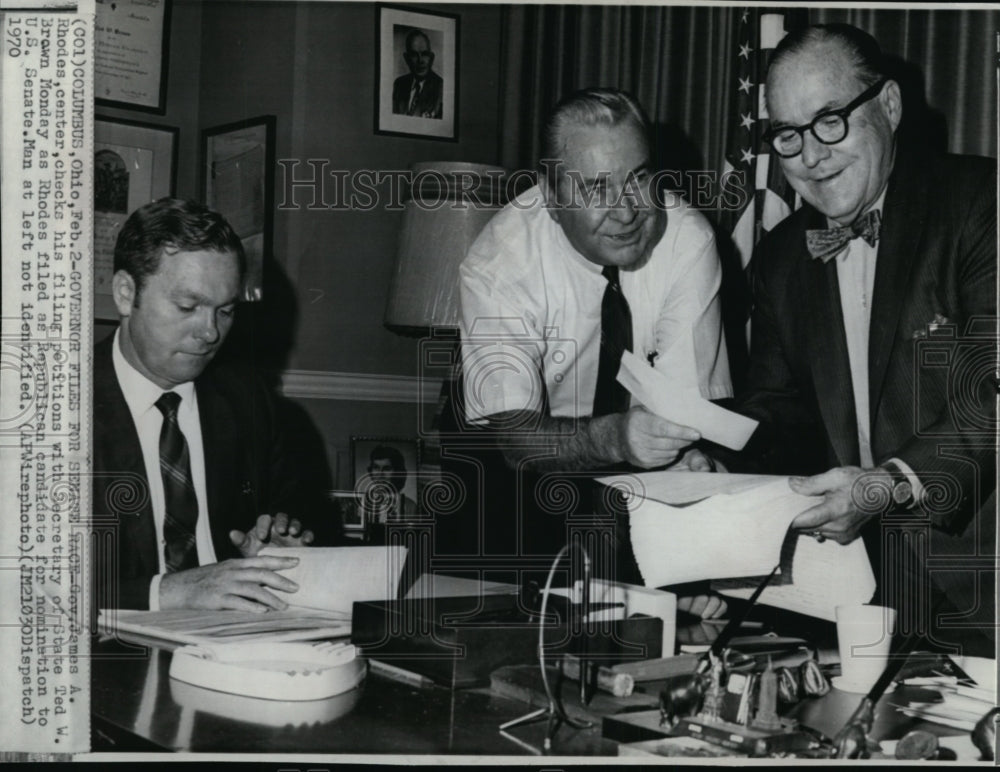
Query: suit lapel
831	369
121	458
219	437
904	213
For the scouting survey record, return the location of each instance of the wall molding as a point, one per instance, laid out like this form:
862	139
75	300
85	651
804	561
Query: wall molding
359	387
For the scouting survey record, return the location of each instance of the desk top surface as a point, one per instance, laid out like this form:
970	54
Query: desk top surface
137	706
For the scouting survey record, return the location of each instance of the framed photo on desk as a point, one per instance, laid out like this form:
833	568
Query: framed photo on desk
349	506
386	473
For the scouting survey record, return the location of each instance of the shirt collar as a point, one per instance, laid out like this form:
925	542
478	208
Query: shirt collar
140	392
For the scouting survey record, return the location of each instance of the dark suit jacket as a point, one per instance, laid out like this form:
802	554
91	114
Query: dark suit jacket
428	104
248	471
930	390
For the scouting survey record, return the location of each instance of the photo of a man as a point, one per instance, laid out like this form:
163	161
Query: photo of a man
419	93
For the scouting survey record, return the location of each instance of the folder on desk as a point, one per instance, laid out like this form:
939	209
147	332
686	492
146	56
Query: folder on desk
330	579
691	526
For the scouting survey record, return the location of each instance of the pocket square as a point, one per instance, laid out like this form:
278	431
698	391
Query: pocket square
932	326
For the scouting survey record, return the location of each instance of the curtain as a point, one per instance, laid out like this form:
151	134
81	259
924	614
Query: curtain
677	61
671	58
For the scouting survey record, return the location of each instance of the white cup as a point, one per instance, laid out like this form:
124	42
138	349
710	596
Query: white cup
864	634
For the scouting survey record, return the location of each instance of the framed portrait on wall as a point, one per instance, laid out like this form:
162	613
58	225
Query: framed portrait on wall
238	173
134	163
417	73
386	471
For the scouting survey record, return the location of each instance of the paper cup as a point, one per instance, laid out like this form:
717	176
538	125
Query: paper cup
864	634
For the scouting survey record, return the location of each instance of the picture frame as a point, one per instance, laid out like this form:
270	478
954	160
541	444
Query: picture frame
132	46
349	506
134	163
402	107
238	182
386	479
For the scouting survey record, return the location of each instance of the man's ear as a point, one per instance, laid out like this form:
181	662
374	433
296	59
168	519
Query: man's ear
892	102
124	293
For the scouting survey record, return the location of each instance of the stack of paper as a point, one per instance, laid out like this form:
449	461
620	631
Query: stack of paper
330	579
689	526
960	706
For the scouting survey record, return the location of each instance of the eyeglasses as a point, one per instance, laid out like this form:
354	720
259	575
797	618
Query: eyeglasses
829	128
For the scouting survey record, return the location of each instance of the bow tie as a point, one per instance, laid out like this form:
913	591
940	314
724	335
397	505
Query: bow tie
825	243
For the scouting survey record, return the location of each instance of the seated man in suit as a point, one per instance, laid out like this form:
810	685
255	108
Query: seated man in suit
590	263
190	458
893	253
420	92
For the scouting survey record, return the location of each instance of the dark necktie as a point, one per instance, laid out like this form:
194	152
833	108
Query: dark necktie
616	338
825	243
181	503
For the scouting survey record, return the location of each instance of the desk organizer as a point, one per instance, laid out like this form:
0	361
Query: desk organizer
459	641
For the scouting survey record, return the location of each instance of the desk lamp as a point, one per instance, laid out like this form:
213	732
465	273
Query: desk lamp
447	206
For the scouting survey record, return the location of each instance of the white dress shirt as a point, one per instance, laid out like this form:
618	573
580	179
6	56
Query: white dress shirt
141	395
856	279
531	312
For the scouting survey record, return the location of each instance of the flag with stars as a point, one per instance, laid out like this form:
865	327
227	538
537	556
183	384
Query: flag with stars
765	197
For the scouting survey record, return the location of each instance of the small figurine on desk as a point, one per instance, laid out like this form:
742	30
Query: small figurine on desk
712	707
766	717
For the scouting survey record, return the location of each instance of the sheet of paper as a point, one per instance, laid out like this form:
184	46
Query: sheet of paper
824	575
333	578
443	586
683	405
684	487
725	535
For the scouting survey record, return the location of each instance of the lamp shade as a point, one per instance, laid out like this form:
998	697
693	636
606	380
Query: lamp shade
449	203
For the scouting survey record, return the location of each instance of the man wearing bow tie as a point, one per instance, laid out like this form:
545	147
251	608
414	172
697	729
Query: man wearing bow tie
892	247
189	458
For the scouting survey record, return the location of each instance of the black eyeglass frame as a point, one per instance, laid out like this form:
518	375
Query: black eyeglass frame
842	112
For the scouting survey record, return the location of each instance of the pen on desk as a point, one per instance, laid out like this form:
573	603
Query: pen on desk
399	674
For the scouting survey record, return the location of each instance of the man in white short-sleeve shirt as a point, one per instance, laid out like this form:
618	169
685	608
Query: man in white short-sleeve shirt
534	283
532	289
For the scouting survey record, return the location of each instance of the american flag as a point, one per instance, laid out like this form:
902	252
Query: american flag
766	197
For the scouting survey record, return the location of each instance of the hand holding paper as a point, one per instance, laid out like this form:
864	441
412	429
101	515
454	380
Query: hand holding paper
649	440
683	405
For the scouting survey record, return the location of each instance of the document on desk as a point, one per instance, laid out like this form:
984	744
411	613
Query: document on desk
330	579
690	526
682	404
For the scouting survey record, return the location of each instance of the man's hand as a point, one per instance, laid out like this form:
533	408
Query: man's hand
704	606
694	460
277	531
239	585
851	496
648	440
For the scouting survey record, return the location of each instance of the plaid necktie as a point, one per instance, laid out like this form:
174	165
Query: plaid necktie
181	503
825	243
616	338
